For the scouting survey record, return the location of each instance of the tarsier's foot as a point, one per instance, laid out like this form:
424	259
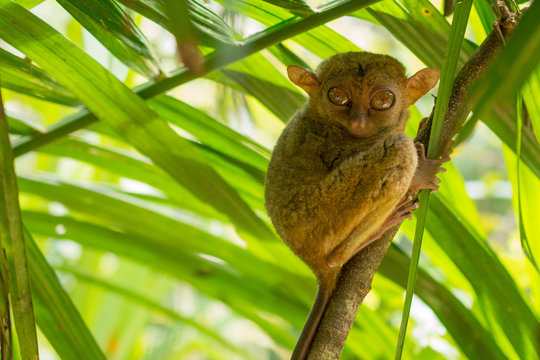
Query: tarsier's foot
426	171
402	211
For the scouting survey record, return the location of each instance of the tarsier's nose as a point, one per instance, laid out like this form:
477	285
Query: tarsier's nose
358	124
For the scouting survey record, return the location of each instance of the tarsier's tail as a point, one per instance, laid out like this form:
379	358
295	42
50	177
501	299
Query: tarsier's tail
310	328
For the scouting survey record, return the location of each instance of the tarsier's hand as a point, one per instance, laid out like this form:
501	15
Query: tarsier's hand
426	171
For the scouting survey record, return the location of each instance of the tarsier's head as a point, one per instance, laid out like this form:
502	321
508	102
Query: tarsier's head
362	92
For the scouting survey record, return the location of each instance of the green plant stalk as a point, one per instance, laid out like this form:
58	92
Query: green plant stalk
457	33
525	246
6	341
213	61
12	230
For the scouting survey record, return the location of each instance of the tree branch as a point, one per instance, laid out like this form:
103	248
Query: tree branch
357	274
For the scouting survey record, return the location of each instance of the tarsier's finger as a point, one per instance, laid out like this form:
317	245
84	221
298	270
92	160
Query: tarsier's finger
437	180
433	187
404	200
441	161
444	159
408	208
420	150
440	170
405	216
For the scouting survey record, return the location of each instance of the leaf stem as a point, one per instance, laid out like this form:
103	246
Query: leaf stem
11	230
453	50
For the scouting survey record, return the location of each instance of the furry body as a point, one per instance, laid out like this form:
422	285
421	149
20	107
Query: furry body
343	164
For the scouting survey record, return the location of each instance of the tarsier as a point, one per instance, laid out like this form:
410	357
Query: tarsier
341	172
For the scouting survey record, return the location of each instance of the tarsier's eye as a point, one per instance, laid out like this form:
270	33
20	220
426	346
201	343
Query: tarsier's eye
383	100
338	96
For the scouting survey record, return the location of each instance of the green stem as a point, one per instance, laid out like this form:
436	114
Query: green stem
215	60
11	231
453	50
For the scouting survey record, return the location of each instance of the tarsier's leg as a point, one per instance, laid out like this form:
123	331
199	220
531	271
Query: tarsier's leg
402	211
364	233
366	189
356	241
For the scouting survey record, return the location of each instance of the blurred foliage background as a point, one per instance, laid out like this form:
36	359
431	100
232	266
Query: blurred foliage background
147	235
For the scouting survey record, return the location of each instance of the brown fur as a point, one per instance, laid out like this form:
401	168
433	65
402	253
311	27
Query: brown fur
330	187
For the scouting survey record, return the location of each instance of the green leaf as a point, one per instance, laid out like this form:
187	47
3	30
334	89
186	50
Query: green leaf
131	167
485	13
211	132
499	296
213	30
503	124
524	182
261	40
22	76
281	101
296	6
126	113
23	127
510	70
322	41
115	30
530	95
458	320
426	44
56	315
239	290
143	299
528	250
28	3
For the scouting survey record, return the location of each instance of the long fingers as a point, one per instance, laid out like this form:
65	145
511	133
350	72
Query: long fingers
440	170
408	208
421	151
404	200
406	212
441	161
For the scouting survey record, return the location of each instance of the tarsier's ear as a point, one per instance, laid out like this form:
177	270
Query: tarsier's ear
304	78
420	83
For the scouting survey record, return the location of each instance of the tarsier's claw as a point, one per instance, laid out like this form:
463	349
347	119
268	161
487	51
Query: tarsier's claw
407	209
407	198
420	150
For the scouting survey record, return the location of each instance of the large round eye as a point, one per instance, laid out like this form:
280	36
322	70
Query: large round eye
383	100
338	96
